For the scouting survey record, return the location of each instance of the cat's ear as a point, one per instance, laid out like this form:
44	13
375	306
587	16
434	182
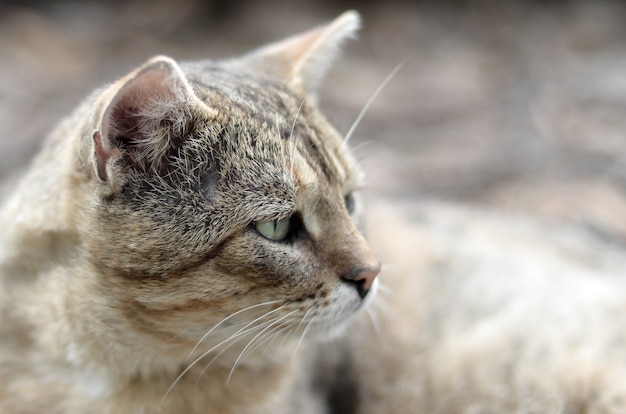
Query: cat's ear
142	117
304	59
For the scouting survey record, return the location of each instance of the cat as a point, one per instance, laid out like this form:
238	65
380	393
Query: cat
190	240
180	240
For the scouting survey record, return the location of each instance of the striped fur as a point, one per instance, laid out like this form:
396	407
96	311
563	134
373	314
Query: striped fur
133	277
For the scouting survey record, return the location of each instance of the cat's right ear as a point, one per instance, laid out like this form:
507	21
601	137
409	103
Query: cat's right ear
142	117
304	59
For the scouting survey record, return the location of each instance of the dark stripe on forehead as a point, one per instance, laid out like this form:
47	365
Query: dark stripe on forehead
316	155
271	105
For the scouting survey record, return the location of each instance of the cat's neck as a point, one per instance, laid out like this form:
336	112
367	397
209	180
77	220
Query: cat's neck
103	365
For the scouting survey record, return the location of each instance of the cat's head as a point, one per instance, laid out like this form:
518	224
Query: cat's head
223	200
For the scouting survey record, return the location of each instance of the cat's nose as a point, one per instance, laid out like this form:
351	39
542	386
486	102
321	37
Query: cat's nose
363	279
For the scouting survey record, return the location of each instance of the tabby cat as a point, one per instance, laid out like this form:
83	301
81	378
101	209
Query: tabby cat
181	237
188	241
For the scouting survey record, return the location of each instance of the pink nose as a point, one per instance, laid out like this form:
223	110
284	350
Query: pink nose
364	279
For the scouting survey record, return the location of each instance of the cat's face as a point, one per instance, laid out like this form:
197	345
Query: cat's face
224	204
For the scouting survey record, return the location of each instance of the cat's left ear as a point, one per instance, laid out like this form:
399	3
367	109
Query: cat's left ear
304	59
141	118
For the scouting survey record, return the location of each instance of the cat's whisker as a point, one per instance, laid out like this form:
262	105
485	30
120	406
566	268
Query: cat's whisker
375	324
270	338
179	334
204	354
382	288
269	333
249	327
291	329
365	156
369	102
361	146
233	339
294	139
382	305
304	318
272	302
304	332
298	326
239	358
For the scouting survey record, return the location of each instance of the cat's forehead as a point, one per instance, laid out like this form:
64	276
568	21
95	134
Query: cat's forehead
272	121
243	91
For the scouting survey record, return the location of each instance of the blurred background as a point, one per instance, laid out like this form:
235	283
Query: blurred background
520	106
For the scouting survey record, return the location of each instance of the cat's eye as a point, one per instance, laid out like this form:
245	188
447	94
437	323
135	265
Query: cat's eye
274	230
349	202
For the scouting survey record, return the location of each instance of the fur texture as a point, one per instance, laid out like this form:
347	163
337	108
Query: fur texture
134	279
143	268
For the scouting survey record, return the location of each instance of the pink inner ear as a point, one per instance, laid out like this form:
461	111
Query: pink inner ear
133	120
138	99
151	85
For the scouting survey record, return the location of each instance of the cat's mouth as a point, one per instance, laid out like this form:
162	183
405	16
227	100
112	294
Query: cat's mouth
328	311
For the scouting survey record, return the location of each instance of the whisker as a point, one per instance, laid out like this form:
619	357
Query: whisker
234	339
382	288
295	139
282	341
304	317
297	328
239	358
382	305
204	354
370	101
365	156
361	146
237	337
375	324
270	338
304	332
272	302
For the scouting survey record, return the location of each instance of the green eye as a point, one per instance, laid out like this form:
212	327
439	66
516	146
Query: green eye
274	230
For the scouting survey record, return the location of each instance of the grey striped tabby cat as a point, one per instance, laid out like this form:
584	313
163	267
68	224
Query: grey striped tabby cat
188	241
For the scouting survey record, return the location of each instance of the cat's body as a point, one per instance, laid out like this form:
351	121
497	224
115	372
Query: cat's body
484	312
188	241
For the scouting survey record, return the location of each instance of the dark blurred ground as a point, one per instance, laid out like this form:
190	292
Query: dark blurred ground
518	105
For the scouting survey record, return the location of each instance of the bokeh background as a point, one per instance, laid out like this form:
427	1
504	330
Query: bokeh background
518	106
